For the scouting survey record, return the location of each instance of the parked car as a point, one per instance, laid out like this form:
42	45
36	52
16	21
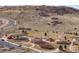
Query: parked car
11	37
2	40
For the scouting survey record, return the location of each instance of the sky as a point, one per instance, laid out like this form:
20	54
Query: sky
71	3
74	6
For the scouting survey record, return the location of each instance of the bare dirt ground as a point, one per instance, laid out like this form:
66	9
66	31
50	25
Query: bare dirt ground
30	18
41	21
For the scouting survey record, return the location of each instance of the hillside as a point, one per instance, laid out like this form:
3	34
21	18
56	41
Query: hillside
43	18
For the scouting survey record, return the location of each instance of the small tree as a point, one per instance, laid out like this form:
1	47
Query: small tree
65	46
45	34
65	37
60	47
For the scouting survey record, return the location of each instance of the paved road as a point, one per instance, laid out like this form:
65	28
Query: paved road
8	44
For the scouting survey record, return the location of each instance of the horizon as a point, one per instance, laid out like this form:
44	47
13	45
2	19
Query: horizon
73	6
69	3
